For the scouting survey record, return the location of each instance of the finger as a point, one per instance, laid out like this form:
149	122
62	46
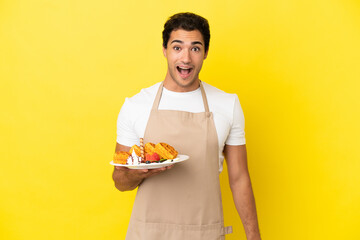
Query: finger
138	171
153	173
170	167
121	168
158	170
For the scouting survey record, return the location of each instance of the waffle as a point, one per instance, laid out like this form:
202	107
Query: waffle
149	148
121	157
137	150
165	151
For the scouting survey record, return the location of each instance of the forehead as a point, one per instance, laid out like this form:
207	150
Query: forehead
186	36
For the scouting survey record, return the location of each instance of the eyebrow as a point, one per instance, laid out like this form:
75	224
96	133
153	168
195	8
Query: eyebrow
192	43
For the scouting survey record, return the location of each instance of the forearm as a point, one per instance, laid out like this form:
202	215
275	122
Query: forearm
245	205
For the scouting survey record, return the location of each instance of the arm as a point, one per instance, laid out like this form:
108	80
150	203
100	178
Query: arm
128	179
240	185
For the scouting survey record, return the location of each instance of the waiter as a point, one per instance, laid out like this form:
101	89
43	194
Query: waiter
183	201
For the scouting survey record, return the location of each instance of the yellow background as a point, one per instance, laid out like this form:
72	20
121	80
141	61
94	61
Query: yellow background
67	66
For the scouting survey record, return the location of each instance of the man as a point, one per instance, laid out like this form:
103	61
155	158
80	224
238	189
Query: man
183	201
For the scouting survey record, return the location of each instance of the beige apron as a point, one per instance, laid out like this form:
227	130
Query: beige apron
182	203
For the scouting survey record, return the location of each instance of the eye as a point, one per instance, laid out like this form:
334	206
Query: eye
195	49
176	48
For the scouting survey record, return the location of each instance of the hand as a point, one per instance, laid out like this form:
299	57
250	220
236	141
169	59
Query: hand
128	179
140	174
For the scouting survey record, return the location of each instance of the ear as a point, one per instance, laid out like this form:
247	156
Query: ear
205	56
164	51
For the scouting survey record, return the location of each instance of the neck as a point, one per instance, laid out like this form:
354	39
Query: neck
172	85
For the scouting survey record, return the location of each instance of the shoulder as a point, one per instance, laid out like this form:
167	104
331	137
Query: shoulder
145	96
140	103
134	114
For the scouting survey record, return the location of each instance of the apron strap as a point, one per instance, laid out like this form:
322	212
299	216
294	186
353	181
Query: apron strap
206	105
158	96
159	93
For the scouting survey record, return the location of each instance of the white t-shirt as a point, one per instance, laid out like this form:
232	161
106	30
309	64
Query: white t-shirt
226	109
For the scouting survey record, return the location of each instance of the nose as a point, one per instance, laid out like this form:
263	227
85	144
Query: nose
186	57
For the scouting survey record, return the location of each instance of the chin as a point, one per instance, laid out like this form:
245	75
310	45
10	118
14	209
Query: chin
185	83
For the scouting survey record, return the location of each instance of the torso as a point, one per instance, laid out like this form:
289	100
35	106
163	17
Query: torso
185	201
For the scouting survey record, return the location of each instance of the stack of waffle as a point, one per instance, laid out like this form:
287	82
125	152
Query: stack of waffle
164	150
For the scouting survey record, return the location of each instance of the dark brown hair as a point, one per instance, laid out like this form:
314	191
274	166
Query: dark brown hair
189	22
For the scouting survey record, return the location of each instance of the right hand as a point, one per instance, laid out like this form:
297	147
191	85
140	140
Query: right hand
128	179
140	174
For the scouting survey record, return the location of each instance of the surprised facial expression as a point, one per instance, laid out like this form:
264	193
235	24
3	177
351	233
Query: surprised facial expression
185	54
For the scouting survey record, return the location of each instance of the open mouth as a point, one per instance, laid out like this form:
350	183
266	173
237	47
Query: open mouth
184	71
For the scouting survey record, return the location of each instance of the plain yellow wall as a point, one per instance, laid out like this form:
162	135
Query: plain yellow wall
67	66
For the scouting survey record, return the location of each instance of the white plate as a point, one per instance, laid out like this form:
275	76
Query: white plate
180	158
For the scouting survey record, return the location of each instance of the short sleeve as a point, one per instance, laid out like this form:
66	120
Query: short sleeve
237	131
126	134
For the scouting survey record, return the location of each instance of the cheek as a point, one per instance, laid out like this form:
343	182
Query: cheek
199	61
170	61
171	58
